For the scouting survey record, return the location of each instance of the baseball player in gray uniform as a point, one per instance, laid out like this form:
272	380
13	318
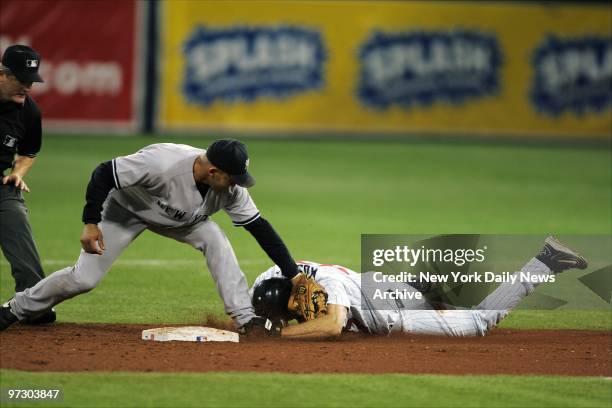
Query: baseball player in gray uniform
172	190
350	309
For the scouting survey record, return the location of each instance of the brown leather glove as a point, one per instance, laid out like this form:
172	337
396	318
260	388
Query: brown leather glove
308	299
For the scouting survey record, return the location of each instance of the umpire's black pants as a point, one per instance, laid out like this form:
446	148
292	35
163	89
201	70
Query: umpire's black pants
16	239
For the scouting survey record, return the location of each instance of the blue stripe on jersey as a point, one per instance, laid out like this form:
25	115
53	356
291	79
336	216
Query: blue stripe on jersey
115	177
250	220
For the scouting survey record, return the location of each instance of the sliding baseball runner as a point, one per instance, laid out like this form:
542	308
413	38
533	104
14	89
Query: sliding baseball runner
342	305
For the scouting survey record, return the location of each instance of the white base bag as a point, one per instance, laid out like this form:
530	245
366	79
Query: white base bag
189	333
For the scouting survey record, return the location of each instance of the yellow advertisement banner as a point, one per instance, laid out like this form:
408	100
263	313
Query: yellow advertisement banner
408	67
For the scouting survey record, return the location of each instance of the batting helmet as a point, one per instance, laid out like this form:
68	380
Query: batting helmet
270	298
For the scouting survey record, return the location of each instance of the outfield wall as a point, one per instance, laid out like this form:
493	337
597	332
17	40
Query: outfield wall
311	67
407	67
90	60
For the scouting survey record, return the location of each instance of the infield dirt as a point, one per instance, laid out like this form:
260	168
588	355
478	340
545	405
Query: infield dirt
115	347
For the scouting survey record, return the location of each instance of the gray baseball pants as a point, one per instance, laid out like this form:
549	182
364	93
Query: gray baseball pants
474	322
16	239
119	228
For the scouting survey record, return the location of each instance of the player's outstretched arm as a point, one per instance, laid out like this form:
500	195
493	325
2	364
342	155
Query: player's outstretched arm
273	246
324	327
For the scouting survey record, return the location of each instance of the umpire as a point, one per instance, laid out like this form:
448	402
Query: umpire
20	141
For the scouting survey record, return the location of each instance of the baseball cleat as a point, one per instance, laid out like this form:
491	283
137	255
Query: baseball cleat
559	257
45	318
6	317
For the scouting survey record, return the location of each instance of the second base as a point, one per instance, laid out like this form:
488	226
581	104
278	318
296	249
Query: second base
189	333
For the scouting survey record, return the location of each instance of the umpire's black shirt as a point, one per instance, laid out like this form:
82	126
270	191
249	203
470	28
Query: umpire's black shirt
20	131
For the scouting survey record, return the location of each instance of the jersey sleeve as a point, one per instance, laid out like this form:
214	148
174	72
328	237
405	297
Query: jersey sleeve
31	144
336	294
240	207
139	169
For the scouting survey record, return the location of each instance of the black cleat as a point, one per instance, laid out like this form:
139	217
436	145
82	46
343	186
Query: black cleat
45	318
7	317
559	257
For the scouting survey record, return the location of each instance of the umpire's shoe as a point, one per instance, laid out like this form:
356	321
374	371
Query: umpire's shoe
6	317
559	257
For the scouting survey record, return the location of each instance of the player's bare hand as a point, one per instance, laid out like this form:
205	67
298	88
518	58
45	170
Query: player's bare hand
17	181
92	240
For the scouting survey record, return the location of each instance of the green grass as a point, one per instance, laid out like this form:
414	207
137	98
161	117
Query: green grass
311	390
559	319
320	196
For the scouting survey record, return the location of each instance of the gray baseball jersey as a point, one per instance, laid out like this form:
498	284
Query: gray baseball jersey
155	189
156	184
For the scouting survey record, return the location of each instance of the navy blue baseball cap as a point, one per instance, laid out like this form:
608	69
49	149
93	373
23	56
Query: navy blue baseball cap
231	156
23	62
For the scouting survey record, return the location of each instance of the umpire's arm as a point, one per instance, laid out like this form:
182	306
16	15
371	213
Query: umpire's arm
21	167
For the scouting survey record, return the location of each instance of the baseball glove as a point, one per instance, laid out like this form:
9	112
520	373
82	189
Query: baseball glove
308	299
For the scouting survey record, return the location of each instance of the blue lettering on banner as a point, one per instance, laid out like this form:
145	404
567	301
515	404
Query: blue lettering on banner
241	63
420	68
572	74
